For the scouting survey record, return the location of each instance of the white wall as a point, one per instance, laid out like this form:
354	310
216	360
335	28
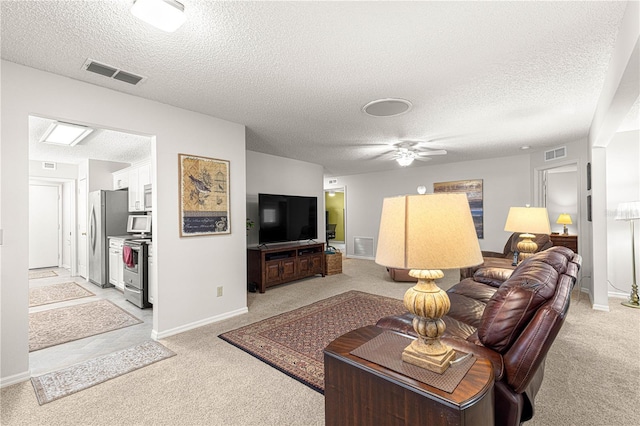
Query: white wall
62	171
188	269
269	174
619	92
623	185
100	176
506	183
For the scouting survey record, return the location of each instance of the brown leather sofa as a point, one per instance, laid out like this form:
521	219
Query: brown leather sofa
512	323
504	259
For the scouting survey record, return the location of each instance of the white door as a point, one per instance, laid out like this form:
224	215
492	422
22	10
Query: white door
44	226
82	228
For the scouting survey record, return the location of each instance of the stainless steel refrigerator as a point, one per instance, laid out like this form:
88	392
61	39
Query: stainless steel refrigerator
108	213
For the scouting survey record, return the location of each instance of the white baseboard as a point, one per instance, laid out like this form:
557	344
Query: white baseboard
16	378
604	308
351	256
155	335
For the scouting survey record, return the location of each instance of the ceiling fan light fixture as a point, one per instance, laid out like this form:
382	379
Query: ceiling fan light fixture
405	157
167	15
388	107
67	134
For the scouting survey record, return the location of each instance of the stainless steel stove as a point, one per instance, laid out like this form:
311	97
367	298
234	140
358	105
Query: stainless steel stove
136	271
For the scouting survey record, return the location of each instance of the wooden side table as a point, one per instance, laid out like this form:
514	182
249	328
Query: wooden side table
569	241
359	392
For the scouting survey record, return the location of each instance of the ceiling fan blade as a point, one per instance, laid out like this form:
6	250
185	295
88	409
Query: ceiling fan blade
422	158
434	152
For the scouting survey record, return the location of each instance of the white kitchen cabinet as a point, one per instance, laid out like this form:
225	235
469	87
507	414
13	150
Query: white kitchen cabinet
151	275
121	179
139	176
116	264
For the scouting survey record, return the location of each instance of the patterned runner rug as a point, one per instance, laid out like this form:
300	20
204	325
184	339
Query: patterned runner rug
293	342
33	275
57	293
61	383
61	325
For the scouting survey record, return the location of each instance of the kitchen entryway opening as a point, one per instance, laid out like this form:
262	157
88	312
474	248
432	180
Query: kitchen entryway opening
63	241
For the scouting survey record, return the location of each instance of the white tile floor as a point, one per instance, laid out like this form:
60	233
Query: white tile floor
64	355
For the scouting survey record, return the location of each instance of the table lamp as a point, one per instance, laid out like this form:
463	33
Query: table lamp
528	221
631	211
564	219
427	233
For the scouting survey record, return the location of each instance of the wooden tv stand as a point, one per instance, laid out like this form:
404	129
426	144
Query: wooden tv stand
278	264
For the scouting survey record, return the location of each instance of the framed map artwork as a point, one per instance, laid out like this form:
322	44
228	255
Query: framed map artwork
204	196
473	189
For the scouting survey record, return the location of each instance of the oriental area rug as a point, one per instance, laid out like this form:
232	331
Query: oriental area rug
61	325
58	384
293	342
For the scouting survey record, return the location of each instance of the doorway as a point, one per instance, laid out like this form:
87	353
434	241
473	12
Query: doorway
45	230
73	172
561	197
335	219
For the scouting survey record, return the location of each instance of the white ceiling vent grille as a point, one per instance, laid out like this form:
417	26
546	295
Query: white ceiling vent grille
48	165
112	72
554	154
363	247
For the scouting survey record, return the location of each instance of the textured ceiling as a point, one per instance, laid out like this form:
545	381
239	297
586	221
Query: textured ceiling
485	78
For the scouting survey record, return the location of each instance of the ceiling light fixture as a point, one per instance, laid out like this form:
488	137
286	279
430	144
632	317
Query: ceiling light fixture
60	133
167	15
405	157
388	107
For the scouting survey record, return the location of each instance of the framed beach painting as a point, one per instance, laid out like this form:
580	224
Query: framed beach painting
204	196
473	190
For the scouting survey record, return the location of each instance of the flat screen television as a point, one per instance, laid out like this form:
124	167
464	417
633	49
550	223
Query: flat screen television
287	218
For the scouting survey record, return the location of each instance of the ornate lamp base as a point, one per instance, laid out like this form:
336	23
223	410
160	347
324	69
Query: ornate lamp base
526	246
429	304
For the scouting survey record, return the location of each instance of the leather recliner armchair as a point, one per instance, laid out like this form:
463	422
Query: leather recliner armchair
513	323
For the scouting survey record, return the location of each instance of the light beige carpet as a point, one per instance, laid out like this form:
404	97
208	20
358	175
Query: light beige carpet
59	384
61	325
56	293
591	376
34	275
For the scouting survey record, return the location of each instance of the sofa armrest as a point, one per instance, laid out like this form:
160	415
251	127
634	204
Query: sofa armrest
492	254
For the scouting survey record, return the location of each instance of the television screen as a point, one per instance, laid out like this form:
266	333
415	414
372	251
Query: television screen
287	218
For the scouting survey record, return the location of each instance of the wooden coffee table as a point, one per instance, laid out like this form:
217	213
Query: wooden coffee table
359	392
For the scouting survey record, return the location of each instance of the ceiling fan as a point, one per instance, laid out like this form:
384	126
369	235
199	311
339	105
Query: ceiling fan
407	151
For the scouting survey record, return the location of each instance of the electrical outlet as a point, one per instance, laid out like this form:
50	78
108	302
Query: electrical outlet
219	291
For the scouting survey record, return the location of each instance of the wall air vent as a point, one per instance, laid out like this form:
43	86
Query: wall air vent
554	154
363	247
112	72
333	181
48	165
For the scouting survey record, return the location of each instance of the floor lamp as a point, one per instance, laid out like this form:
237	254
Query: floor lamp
631	211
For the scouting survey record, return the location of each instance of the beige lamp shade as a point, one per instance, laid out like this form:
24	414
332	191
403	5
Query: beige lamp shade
564	219
530	220
432	231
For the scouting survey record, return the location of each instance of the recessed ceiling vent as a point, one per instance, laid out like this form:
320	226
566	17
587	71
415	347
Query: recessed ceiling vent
112	72
554	154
